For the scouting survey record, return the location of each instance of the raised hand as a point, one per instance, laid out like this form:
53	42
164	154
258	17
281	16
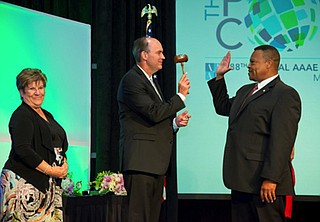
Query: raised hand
224	66
184	84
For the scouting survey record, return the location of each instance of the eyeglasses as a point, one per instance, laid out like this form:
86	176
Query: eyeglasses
35	89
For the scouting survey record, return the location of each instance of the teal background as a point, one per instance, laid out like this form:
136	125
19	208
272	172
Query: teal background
200	145
61	49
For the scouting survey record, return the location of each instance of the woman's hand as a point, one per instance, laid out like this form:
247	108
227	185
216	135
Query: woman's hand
59	171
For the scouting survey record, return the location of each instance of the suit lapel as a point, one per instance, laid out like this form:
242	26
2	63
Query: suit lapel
143	76
245	100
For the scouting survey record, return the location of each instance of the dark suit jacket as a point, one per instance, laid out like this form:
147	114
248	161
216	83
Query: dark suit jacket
260	136
31	143
146	133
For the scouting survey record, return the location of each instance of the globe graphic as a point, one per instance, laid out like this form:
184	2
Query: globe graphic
284	24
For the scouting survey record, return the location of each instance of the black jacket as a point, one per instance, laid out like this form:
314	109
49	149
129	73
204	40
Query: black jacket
262	131
146	134
31	144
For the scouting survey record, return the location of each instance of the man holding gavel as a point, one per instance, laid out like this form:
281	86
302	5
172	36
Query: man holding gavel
147	129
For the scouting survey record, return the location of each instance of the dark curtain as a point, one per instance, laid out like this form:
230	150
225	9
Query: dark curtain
115	24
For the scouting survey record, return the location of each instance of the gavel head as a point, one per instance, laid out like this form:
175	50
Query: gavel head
180	58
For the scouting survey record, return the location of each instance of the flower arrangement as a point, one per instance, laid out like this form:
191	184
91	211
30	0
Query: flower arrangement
69	188
107	181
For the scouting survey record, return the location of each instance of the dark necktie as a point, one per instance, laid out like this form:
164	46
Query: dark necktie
253	89
248	95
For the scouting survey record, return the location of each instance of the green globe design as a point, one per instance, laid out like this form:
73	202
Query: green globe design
284	24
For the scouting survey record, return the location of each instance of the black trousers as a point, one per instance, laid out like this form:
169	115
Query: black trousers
144	196
247	207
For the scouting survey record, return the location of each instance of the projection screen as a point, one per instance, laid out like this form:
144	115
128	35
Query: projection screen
206	31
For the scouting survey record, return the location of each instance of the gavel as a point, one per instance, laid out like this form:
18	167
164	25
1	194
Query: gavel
182	58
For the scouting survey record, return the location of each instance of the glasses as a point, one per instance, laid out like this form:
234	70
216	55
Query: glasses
35	89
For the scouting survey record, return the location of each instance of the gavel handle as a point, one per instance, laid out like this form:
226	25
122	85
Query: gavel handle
182	66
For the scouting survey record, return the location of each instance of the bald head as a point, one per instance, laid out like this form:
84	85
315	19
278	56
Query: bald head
142	44
148	54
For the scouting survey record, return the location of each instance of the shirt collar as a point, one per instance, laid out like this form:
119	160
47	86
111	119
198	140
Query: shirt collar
148	77
266	81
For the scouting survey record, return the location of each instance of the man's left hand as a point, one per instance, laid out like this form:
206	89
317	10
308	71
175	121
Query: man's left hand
268	191
183	119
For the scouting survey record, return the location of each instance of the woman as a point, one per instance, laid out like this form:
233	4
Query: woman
31	177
